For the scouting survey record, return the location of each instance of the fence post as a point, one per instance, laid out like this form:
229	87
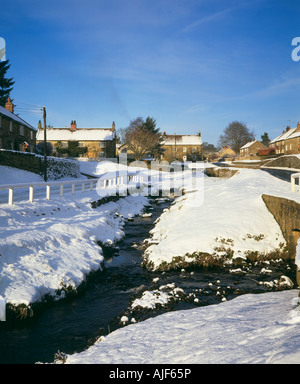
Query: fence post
10	196
48	192
292	184
31	194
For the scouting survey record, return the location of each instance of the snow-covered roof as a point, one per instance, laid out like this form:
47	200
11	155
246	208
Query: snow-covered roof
14	117
182	140
247	145
80	134
291	133
294	134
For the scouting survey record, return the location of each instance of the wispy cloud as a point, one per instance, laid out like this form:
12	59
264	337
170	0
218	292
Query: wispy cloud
207	19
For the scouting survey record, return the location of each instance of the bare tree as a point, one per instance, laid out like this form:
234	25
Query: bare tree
143	138
235	135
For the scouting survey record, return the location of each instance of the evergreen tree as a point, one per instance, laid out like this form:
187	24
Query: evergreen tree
265	139
5	83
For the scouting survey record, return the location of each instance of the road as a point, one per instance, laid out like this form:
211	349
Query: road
280	173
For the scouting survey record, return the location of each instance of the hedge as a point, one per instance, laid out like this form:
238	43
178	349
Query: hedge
57	167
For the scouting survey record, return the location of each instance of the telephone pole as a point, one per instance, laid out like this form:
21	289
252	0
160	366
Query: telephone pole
45	145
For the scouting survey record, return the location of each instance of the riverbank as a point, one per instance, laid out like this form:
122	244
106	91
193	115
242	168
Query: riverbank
48	249
226	223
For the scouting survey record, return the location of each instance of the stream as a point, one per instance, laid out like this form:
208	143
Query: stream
73	324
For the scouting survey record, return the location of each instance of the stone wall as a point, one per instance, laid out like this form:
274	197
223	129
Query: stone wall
287	214
220	172
284	162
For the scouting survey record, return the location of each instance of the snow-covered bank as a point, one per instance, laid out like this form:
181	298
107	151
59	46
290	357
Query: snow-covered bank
251	329
52	245
48	247
227	217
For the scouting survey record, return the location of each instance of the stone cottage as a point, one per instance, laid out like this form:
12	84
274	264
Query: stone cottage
84	142
15	133
249	150
182	147
288	143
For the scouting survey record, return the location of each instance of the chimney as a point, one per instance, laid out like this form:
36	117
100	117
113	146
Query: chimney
9	105
113	126
39	125
73	125
288	128
164	133
199	133
298	126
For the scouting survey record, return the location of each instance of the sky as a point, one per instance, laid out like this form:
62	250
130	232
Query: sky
190	64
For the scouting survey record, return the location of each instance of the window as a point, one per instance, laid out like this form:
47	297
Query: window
80	144
102	145
291	147
194	149
184	149
10	126
64	144
21	130
31	135
101	154
0	121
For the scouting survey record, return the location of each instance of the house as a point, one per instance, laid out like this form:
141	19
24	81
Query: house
249	150
288	143
182	147
15	133
80	142
226	151
123	149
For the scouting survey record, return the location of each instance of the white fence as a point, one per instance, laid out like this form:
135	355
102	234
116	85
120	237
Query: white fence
106	181
295	176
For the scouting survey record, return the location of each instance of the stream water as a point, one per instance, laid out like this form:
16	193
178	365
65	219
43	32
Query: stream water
75	323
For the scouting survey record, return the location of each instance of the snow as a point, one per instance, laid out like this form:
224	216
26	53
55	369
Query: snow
10	175
251	329
229	213
80	134
247	145
182	140
48	246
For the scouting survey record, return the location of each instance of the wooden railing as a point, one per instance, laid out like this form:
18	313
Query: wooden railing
105	181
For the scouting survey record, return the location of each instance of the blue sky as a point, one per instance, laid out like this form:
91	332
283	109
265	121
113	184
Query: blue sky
191	64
